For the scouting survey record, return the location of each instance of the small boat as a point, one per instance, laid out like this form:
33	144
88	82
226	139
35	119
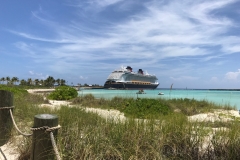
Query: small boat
141	92
111	88
160	93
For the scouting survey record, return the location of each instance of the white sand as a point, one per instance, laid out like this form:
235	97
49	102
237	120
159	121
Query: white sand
111	114
217	115
10	151
56	104
40	90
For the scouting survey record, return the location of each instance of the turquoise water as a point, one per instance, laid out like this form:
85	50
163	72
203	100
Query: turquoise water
219	97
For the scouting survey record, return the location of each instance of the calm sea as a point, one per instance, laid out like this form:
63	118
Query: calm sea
217	96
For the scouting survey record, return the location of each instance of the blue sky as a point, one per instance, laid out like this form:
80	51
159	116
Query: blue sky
194	44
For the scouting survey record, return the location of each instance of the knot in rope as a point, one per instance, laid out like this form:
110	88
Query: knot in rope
53	128
46	128
50	130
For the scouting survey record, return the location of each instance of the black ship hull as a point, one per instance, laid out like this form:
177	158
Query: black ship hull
129	86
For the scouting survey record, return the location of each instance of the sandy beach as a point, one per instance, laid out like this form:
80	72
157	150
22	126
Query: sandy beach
40	90
11	153
217	115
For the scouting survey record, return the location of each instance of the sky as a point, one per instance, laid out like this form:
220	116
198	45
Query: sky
193	44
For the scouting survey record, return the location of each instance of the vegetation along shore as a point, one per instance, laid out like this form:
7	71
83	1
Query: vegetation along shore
126	128
41	83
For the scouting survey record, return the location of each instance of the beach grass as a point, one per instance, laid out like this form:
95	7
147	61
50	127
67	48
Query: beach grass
184	105
167	134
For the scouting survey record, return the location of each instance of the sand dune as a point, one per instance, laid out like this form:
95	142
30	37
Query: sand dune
218	115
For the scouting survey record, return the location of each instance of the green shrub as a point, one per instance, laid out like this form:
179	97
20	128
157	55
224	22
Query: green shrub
63	93
14	90
145	108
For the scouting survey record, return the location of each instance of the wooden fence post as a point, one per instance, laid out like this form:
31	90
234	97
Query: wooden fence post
6	100
42	148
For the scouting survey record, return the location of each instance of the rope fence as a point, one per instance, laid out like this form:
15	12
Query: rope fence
38	119
55	146
16	127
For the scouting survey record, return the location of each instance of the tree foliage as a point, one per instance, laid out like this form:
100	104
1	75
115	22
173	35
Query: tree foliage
14	90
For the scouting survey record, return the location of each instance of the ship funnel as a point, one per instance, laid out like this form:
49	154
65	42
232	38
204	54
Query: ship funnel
140	71
129	68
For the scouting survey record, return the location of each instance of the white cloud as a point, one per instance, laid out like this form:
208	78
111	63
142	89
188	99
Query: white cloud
27	49
158	32
83	78
183	78
31	72
104	3
214	79
202	12
232	75
38	75
166	29
232	48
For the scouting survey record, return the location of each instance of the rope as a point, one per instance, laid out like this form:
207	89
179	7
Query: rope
54	146
46	128
53	128
16	125
7	107
50	129
39	128
5	158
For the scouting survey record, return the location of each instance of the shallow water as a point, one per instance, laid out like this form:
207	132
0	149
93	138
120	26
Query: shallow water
221	97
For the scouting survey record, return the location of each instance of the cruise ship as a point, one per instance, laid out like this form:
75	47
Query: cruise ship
125	78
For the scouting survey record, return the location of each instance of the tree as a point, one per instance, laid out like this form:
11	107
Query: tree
62	82
3	79
29	81
41	82
14	80
8	79
36	82
58	81
23	82
50	81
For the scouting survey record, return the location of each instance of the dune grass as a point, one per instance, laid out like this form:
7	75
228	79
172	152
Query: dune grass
159	131
131	107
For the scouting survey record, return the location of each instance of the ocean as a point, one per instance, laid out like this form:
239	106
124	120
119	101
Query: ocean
220	97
